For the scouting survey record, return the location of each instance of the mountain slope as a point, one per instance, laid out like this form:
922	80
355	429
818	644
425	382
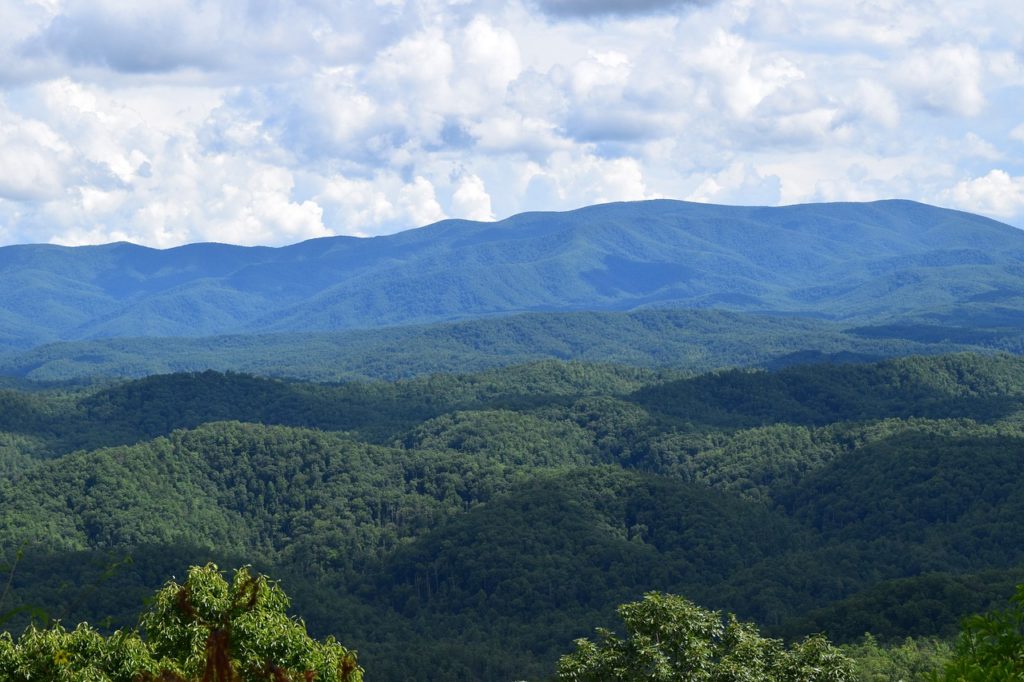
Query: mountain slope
691	340
494	517
843	261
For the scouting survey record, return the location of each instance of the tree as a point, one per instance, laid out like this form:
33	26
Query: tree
991	646
206	629
670	638
912	659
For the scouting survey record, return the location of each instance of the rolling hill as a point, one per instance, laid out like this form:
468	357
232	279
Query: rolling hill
881	261
484	521
688	340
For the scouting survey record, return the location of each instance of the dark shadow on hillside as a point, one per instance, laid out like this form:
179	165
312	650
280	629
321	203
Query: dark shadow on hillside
376	411
929	605
956	386
107	588
930	498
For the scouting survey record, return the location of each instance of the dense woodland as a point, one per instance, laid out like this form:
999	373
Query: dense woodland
456	527
681	339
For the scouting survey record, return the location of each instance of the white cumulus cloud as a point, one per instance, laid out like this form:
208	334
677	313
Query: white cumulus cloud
271	122
471	200
995	193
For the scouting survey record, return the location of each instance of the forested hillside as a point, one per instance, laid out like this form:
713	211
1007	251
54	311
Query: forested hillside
880	263
481	522
688	340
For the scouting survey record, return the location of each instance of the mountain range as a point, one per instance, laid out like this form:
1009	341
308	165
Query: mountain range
460	446
850	262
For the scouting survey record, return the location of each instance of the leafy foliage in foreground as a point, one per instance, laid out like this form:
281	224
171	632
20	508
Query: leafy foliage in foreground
206	629
991	646
670	638
911	660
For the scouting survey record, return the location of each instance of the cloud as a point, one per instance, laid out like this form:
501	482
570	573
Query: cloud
594	8
732	74
425	91
269	122
256	39
471	200
76	139
513	133
20	20
489	57
133	37
387	203
873	102
997	193
567	177
418	201
262	211
226	200
974	145
945	80
33	159
89	169
739	184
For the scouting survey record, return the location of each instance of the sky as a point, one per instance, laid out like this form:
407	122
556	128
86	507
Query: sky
274	121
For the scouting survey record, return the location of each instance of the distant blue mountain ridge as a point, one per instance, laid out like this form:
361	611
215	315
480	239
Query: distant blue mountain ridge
877	262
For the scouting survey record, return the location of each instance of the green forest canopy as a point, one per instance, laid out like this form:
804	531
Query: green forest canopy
488	520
